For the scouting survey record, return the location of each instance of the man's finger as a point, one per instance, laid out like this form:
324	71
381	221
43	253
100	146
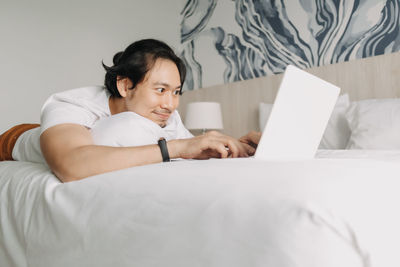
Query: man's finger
232	148
220	147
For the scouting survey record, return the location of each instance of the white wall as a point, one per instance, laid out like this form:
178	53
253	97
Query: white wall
48	46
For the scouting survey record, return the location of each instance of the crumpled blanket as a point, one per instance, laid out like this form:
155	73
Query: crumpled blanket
9	138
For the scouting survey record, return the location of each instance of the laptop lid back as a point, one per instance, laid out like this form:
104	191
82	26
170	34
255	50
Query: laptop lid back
299	116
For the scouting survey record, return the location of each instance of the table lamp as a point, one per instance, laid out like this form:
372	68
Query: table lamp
203	116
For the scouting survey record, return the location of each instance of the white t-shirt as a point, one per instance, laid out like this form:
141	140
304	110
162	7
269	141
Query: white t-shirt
83	106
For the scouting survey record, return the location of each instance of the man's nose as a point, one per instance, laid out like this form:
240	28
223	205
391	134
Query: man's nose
168	101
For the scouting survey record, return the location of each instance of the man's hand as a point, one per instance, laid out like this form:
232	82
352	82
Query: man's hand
210	145
252	138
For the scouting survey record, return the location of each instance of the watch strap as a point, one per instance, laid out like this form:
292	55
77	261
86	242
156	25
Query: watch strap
162	143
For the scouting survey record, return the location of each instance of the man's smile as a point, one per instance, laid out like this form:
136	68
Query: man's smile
162	115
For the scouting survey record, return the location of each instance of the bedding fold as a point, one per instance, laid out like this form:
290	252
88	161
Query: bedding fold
9	138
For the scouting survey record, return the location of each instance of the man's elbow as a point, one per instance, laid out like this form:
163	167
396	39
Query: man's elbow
66	176
65	170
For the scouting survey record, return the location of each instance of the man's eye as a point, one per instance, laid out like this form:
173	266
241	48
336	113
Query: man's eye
161	90
177	92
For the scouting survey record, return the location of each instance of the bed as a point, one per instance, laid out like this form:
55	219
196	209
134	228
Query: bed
339	209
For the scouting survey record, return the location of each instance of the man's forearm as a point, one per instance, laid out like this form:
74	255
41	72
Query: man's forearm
90	160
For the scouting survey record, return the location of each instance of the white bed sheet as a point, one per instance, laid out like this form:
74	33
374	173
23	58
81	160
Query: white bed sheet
338	210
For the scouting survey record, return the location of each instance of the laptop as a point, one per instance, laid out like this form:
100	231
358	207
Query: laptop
299	116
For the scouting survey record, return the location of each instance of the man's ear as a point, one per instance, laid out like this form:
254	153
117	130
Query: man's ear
122	86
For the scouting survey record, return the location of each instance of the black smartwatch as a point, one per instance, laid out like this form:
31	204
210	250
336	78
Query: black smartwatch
162	143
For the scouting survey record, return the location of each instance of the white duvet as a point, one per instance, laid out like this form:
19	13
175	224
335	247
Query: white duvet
341	209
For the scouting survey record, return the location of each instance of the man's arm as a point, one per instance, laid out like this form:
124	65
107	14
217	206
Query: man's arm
71	154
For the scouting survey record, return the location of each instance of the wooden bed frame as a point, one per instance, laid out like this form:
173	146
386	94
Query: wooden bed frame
373	77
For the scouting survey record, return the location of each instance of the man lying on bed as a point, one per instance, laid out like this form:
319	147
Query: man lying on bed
92	130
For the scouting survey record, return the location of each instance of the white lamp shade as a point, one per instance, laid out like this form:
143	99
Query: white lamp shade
203	115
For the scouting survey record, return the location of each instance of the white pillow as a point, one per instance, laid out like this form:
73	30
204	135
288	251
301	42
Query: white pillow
374	124
131	129
337	131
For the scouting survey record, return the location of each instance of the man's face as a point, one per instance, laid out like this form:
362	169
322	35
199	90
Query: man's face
157	96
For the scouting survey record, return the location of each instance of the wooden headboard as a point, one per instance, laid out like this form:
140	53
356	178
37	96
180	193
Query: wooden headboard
373	77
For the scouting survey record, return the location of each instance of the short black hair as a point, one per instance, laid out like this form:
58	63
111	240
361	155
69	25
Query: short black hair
137	59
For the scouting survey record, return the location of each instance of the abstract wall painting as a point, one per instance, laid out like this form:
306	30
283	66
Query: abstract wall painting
231	40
